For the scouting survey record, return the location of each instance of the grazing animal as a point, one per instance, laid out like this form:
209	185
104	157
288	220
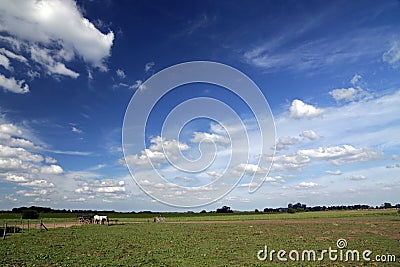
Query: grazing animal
100	219
159	219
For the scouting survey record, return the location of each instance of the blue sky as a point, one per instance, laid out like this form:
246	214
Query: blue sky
68	70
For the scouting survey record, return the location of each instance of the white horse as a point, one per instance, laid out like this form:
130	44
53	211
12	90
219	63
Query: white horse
100	219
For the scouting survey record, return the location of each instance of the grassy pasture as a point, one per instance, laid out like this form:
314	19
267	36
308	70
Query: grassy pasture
230	240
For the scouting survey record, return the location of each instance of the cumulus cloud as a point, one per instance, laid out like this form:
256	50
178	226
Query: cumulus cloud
52	169
252	168
12	85
120	73
347	94
149	66
57	22
19	142
307	185
310	134
46	35
295	162
209	137
9	130
336	155
157	152
286	142
107	188
19	153
50	160
339	155
30	172
41	183
16	178
299	110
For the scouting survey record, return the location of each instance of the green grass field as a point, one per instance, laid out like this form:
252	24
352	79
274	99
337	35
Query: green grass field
230	240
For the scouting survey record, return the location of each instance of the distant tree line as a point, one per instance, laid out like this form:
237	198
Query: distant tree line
299	207
291	208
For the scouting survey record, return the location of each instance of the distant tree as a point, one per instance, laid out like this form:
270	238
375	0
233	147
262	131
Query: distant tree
256	211
203	211
291	210
30	214
224	209
387	205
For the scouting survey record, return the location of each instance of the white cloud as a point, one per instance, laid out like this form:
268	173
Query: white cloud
357	177
120	73
57	23
38	184
149	66
5	62
52	169
76	130
110	189
355	79
215	174
392	56
286	142
43	57
347	94
209	137
12	55
299	110
107	188
343	124
253	168
10	129
16	178
341	155
307	185
12	85
157	152
337	172
19	142
33	74
284	52
138	85
19	153
310	134
50	160
295	162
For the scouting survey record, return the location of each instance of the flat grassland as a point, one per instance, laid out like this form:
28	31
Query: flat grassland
223	240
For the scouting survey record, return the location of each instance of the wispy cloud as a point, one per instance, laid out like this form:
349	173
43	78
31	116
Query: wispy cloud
67	152
318	54
120	73
392	56
200	22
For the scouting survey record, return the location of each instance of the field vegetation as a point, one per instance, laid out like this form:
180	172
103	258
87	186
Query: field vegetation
205	240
